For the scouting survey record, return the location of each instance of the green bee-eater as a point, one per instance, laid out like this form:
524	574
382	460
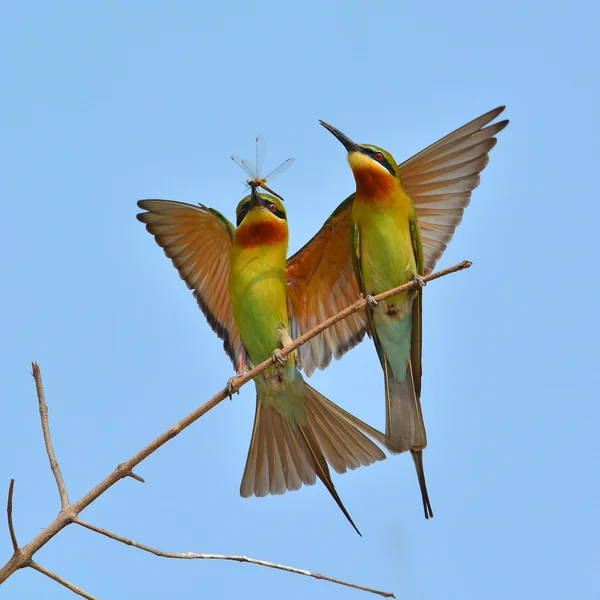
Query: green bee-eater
396	227
248	294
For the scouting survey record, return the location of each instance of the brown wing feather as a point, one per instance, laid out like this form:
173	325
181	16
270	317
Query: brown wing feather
440	180
321	283
198	240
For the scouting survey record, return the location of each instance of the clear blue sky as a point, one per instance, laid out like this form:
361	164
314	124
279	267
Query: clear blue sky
106	103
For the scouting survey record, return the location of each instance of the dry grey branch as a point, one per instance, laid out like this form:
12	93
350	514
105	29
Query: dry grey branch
58	579
70	512
60	482
246	559
11	527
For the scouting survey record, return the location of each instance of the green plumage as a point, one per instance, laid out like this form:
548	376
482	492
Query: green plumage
387	252
403	218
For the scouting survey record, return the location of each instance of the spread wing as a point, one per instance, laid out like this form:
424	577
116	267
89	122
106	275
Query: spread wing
440	180
198	240
321	279
321	283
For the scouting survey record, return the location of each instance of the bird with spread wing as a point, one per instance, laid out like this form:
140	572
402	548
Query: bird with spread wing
250	296
392	230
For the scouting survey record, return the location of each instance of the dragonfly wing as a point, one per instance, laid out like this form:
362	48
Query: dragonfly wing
261	149
280	169
244	164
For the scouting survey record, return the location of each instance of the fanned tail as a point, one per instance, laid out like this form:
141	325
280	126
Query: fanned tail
289	451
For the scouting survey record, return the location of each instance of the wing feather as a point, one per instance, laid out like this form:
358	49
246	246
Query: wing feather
198	241
440	179
321	282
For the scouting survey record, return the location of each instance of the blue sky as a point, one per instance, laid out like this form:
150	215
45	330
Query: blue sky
107	103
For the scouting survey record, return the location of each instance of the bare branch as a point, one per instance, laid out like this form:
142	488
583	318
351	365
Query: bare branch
69	513
11	527
60	482
58	579
253	561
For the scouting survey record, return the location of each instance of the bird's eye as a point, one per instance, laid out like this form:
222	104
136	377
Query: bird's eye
242	214
273	207
378	156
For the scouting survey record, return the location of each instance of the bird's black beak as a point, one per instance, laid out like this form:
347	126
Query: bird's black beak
346	141
255	199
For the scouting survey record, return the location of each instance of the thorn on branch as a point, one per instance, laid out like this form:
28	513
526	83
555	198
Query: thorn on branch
136	477
11	527
127	472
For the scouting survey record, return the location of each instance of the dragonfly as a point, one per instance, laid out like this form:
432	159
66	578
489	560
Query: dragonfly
255	179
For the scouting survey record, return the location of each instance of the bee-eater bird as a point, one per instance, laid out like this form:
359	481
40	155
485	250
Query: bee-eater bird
392	230
238	276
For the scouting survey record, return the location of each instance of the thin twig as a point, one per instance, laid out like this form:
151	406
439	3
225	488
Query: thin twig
11	527
58	579
60	482
253	561
69	514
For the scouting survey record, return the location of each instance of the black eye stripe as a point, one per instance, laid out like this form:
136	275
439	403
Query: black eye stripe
384	161
276	212
280	214
242	213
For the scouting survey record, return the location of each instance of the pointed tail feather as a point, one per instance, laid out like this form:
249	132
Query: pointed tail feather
405	424
322	470
286	453
418	460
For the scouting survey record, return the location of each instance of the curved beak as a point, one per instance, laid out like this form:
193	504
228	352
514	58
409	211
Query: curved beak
342	137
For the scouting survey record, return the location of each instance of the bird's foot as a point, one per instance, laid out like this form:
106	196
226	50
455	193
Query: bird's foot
278	357
420	282
231	387
371	301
